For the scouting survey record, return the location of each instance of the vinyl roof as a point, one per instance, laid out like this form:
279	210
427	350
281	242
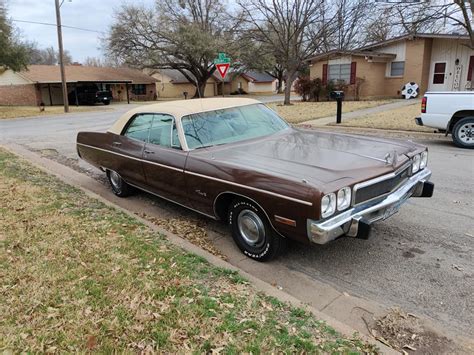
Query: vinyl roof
79	73
180	108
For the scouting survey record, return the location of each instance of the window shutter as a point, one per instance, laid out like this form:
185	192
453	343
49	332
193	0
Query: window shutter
353	72
325	74
471	66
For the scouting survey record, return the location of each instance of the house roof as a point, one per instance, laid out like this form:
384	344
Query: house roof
367	51
360	53
79	73
454	36
259	77
176	77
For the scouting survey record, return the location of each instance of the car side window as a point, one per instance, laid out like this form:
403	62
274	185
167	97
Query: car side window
139	128
163	131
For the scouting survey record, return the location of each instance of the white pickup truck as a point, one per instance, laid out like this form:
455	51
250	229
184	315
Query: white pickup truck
450	112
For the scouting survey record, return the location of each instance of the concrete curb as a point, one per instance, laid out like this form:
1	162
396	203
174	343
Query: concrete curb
76	179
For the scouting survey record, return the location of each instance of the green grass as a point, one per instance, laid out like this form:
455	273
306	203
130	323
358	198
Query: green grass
77	275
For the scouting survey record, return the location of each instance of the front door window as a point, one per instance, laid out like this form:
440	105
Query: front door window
439	73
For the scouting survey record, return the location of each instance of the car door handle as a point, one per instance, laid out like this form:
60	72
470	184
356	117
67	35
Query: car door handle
148	151
116	144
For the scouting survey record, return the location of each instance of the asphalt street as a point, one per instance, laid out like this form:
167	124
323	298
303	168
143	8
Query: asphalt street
421	259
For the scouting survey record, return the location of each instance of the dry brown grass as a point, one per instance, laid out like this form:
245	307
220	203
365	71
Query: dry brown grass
79	276
27	111
306	111
402	119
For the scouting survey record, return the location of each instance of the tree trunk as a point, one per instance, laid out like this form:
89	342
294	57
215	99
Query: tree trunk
280	82
200	89
290	77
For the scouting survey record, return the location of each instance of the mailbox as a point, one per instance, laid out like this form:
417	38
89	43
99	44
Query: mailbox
336	95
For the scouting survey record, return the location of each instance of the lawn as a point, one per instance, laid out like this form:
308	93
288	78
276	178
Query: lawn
402	119
305	111
79	276
26	111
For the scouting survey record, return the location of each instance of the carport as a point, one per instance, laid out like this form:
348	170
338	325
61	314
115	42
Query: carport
54	89
125	83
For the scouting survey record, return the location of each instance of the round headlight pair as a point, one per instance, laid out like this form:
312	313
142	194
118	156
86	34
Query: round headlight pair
419	161
331	201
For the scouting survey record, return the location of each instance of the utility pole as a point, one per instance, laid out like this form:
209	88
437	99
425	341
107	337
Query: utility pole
61	56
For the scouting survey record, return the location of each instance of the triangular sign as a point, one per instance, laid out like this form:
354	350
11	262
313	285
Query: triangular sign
223	69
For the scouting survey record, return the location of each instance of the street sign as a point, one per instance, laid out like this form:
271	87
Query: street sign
223	69
222	64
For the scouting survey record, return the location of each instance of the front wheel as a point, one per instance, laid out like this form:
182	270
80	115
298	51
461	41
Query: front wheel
106	102
252	232
119	186
463	133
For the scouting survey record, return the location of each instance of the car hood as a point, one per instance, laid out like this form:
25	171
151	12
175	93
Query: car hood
316	156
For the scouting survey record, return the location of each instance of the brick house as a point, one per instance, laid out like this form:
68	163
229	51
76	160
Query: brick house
435	62
171	83
42	84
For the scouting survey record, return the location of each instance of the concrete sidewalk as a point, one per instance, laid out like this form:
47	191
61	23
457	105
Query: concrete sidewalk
359	113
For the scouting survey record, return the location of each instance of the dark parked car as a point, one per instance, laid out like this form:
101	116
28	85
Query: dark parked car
89	95
236	160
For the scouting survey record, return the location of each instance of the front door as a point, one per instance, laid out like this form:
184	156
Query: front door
128	149
439	79
164	160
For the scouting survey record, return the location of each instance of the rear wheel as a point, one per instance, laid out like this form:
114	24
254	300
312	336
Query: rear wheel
463	133
252	232
119	186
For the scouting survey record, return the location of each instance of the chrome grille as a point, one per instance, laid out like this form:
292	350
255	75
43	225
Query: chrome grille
367	191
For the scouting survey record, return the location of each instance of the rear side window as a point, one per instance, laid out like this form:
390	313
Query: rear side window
161	128
139	128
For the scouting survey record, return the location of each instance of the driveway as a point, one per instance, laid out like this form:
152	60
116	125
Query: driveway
421	259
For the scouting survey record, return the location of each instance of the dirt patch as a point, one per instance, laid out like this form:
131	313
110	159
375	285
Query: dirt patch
306	111
407	334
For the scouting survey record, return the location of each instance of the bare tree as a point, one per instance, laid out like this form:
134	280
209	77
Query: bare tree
185	35
47	56
292	28
350	20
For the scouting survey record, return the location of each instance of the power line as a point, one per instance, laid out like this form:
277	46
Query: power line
53	24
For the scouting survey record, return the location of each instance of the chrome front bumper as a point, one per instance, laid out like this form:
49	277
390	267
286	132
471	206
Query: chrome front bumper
349	222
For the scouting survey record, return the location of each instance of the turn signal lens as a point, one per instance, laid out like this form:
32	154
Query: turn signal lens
343	198
424	160
416	163
328	205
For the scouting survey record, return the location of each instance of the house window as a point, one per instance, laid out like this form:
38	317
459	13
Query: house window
139	89
397	68
439	70
338	72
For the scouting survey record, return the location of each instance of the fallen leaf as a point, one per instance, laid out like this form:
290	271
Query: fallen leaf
91	342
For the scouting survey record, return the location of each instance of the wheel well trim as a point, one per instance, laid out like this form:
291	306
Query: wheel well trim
454	118
248	198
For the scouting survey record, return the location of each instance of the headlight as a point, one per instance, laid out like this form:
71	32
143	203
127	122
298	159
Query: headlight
343	198
328	205
416	163
424	159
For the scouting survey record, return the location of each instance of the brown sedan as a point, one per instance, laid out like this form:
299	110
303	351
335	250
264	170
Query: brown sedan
236	160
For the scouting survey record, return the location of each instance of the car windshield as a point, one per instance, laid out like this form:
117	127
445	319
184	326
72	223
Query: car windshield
230	125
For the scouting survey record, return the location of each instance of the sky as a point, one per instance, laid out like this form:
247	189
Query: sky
90	14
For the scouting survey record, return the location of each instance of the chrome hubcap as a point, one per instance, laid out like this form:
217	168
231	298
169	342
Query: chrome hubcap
466	133
251	228
115	180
